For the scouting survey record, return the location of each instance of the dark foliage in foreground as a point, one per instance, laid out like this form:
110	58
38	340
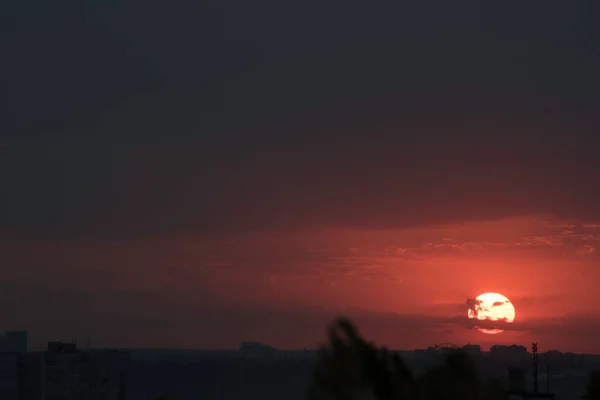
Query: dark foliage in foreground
351	368
593	387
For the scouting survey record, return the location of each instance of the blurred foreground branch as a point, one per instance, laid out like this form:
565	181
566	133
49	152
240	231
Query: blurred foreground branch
350	368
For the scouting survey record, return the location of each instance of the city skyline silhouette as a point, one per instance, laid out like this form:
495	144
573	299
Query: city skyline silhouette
177	179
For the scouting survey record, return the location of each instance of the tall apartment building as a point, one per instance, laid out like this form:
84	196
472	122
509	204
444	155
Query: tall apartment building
9	376
13	342
63	372
83	375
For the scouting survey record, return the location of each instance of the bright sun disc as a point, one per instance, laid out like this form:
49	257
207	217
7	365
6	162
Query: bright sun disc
492	307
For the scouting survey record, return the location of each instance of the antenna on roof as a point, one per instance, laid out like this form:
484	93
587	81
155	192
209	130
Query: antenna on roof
534	350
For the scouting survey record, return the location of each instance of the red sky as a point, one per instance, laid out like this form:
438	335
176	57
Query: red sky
404	287
196	176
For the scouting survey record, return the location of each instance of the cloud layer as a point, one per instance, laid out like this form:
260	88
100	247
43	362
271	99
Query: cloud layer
403	286
202	180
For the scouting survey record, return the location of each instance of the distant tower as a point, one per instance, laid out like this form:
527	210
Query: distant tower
534	350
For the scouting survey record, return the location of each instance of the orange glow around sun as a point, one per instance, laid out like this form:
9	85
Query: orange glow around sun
492	307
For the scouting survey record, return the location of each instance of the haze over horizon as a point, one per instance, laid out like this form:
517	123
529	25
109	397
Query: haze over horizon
201	175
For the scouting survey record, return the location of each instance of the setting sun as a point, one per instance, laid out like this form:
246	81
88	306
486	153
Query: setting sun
492	307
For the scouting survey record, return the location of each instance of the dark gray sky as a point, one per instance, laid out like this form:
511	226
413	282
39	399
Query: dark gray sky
113	111
141	119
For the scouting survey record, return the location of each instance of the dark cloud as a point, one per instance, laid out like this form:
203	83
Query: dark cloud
473	305
571	326
206	121
159	311
577	241
72	72
135	121
99	192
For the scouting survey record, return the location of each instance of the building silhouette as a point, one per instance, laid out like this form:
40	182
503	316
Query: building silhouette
509	353
63	372
13	342
517	380
474	350
9	376
255	350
